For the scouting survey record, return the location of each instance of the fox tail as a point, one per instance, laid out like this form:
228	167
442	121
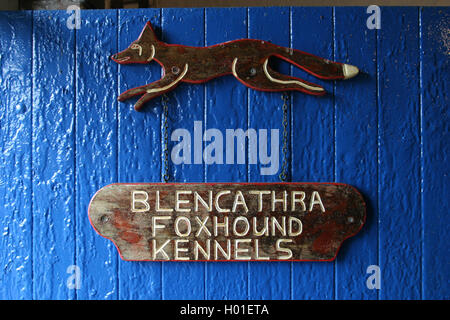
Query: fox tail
317	66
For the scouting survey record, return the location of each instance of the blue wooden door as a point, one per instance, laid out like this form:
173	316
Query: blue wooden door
63	136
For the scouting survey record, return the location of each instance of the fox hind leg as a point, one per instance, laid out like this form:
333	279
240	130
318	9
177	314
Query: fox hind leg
261	77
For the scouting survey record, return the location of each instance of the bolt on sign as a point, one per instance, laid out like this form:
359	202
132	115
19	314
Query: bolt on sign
227	221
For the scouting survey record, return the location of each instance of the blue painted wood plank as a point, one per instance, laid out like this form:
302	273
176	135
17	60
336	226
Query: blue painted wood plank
399	164
139	145
53	155
313	137
356	147
435	71
186	104
96	147
268	280
69	117
15	160
226	108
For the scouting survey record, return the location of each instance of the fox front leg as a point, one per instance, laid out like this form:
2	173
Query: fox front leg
150	91
131	93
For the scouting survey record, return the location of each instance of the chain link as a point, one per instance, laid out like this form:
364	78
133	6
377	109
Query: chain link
284	167
165	101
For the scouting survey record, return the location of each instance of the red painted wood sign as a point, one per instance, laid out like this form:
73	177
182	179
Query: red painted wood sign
228	221
246	59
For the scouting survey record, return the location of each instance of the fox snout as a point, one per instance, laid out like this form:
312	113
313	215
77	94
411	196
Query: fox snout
116	57
122	57
136	53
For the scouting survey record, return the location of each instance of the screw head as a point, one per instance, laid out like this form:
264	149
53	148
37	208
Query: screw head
104	219
175	70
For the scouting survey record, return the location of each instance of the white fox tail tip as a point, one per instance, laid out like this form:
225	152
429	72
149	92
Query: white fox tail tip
349	71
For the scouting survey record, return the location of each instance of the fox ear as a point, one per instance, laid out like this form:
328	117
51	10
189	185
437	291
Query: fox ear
147	34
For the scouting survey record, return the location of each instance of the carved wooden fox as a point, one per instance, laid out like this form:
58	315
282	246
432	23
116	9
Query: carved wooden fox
246	59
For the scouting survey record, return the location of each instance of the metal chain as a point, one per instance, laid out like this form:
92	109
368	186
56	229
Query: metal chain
165	101
284	166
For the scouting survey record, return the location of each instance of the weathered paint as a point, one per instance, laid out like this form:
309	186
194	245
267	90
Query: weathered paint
142	163
314	217
16	254
186	105
63	137
96	145
399	154
225	91
355	146
268	281
435	147
53	154
312	140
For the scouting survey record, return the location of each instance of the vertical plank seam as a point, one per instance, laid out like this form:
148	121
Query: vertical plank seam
161	144
205	267
422	216
333	21
75	123
377	107
162	117
248	149
205	91
117	141
291	148
31	154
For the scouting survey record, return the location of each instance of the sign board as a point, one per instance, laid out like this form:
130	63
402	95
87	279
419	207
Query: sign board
227	221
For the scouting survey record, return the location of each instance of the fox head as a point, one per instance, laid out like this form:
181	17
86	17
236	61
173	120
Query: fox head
140	51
